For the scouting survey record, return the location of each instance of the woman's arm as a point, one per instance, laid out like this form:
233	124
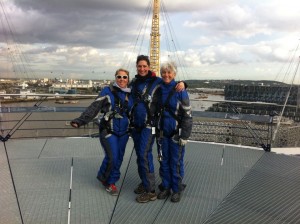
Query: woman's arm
181	85
91	111
186	113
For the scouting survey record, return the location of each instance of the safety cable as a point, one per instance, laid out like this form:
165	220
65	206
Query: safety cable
22	120
13	182
14	50
161	208
174	41
266	147
127	61
125	174
291	60
285	103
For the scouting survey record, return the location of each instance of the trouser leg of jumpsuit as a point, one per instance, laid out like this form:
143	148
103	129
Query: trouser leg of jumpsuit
171	167
114	148
143	142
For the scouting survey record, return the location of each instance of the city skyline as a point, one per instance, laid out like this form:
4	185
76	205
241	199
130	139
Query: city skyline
89	39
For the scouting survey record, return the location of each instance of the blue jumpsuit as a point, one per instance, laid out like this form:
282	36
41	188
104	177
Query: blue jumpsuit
175	122
113	128
143	118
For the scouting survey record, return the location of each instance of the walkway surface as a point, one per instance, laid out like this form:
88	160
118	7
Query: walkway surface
43	178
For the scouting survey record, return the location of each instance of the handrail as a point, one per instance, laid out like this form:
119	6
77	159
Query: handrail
228	128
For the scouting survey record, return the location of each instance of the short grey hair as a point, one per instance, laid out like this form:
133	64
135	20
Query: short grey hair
168	66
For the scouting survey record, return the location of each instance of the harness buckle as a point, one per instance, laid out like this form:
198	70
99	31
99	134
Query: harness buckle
147	98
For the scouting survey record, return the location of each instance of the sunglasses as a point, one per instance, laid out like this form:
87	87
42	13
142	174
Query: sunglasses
124	76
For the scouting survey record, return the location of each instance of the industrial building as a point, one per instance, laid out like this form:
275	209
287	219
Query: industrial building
263	93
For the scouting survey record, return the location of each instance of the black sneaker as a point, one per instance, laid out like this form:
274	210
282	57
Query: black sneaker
164	194
140	189
146	196
160	187
176	197
183	186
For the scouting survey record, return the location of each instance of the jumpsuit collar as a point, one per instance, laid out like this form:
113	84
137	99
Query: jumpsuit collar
144	78
171	84
126	90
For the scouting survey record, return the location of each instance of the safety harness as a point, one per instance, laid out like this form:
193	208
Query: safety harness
143	97
119	109
166	107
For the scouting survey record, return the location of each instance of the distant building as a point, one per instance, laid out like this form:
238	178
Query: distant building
263	93
26	94
275	95
63	87
3	92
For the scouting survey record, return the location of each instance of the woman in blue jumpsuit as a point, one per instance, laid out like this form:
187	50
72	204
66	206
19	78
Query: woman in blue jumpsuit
174	128
145	87
115	103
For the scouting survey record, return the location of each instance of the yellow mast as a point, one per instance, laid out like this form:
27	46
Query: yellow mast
155	39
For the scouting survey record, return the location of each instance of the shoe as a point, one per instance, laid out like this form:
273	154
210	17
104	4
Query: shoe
140	189
112	189
164	194
146	196
183	186
176	197
160	187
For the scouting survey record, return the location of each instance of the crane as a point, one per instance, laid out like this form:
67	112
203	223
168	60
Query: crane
155	39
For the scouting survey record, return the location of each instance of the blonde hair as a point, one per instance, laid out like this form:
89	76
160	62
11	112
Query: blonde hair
122	70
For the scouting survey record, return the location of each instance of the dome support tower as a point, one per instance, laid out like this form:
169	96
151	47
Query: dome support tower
155	39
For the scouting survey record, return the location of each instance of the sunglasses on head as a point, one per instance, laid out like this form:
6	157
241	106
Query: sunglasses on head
120	76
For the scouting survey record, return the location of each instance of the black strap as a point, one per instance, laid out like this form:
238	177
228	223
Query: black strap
149	86
123	107
144	97
166	107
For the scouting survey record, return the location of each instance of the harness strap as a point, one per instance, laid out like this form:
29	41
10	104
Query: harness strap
144	97
118	102
166	107
123	108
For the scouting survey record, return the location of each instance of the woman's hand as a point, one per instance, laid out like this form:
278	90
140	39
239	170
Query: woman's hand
74	125
180	86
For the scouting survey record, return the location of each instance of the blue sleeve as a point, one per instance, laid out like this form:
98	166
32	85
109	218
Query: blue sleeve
100	103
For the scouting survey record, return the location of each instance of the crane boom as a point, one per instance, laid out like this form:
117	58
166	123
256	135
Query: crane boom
155	39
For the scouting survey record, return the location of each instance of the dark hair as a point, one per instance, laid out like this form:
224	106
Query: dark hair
143	58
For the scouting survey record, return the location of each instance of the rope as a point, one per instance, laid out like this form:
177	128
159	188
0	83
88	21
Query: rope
249	128
21	121
13	182
142	26
285	103
114	209
173	41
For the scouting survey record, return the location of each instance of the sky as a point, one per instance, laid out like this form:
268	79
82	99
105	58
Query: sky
91	39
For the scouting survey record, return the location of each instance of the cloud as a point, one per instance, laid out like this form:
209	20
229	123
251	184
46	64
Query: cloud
88	37
280	15
232	20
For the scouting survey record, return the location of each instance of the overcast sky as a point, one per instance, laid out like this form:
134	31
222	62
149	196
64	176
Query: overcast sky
216	39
